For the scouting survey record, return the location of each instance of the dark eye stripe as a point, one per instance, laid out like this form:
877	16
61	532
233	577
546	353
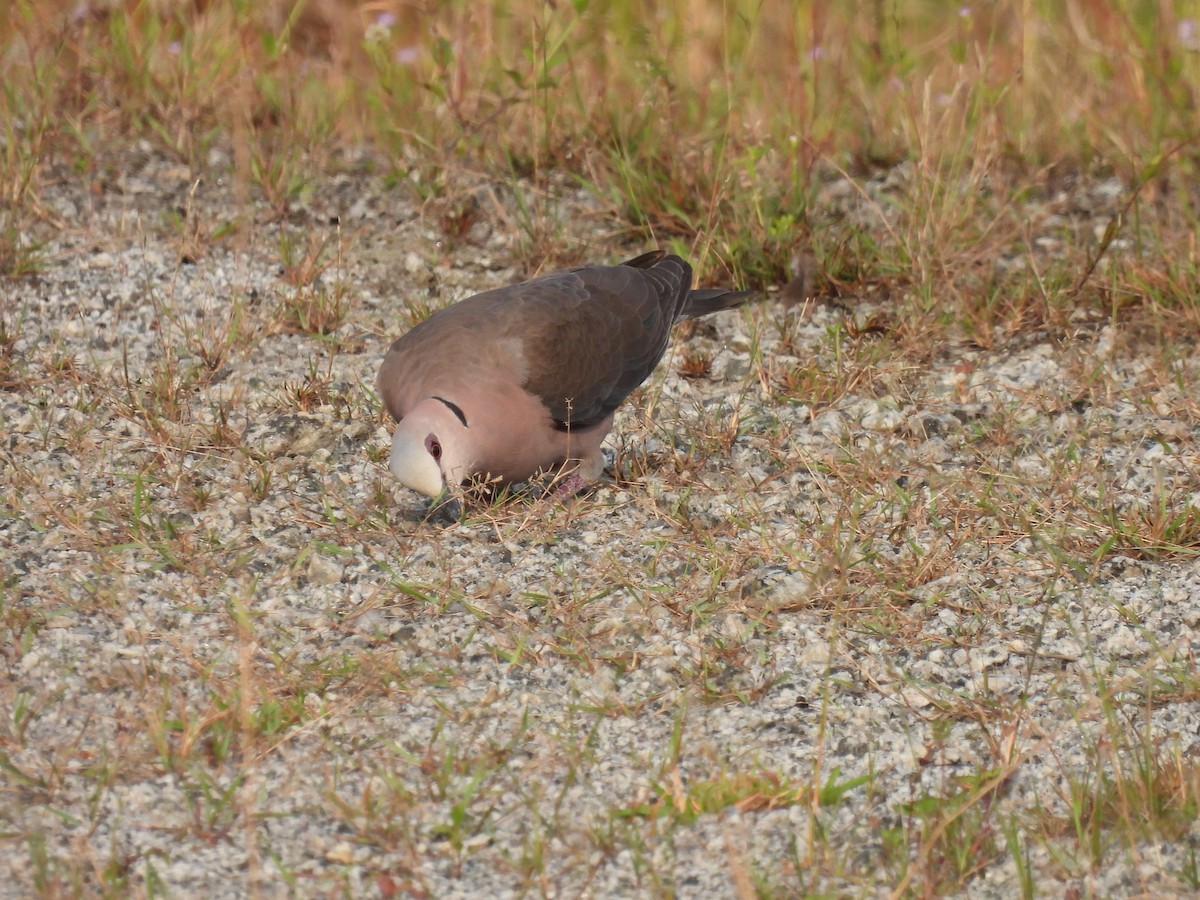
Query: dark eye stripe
454	408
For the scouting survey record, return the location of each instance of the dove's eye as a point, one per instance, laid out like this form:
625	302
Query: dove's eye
434	446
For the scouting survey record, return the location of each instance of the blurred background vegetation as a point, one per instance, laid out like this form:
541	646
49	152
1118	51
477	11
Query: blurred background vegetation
713	123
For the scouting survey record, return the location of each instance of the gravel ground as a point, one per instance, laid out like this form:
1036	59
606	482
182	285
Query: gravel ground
238	660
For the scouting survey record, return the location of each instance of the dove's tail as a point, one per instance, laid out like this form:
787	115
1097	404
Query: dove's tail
701	303
698	303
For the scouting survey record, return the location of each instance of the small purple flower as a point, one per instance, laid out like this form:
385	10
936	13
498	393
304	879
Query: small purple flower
380	31
1186	31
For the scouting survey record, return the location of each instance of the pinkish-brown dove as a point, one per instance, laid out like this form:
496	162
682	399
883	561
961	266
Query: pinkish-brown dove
524	379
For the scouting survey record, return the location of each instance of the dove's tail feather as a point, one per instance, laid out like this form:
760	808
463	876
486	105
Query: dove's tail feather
701	303
698	303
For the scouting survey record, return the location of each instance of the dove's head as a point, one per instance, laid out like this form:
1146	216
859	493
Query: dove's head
430	447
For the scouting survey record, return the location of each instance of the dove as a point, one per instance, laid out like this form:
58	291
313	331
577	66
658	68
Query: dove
523	380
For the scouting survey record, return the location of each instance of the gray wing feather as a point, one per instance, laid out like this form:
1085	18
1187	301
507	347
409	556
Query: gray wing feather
599	333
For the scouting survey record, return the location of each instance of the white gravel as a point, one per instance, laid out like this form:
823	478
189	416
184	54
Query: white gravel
238	660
